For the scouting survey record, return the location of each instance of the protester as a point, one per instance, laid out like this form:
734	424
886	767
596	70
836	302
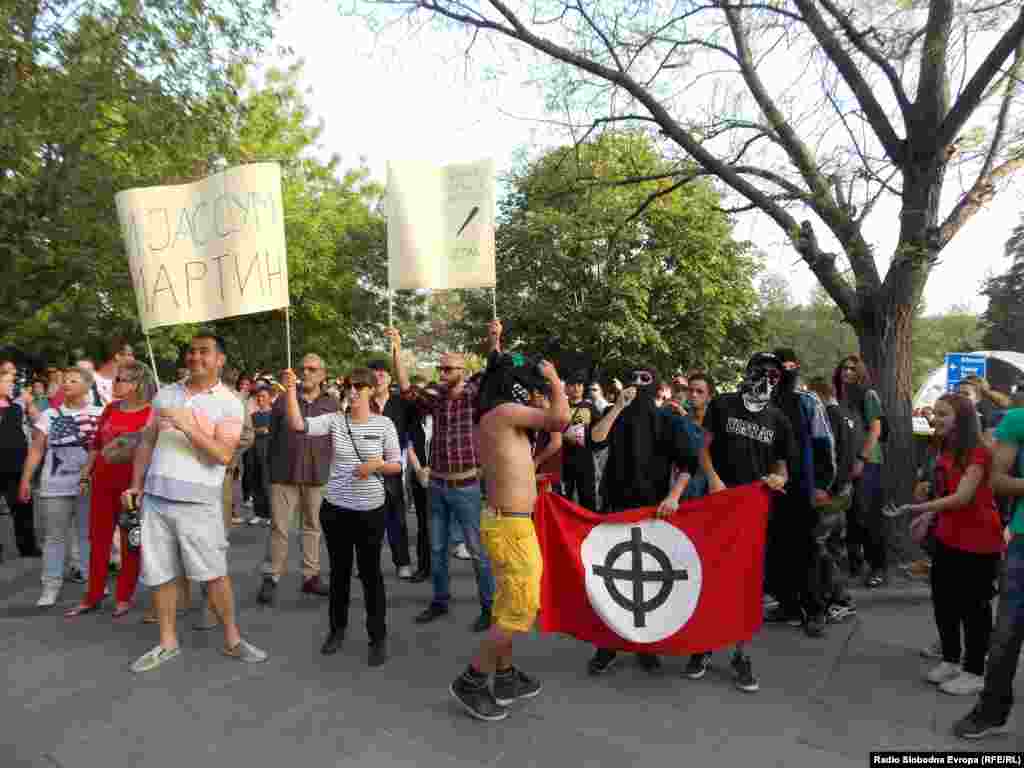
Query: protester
644	445
579	474
418	453
700	390
597	397
103	379
178	475
299	468
353	512
990	715
506	421
402	414
793	567
13	453
259	456
967	545
108	473
865	539
454	473
747	439
60	439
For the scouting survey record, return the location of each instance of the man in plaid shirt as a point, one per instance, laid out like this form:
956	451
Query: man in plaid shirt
454	473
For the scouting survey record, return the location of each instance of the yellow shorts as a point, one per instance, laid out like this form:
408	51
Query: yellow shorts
511	544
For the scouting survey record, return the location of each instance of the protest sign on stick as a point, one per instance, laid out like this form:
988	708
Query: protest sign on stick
440	225
207	250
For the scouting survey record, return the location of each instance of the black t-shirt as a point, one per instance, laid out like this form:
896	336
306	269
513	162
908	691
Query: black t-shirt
746	445
585	414
403	414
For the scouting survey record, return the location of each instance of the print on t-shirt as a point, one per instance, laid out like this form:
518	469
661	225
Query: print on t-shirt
759	432
69	434
746	445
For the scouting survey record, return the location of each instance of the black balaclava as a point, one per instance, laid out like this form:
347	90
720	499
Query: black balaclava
508	379
790	378
760	381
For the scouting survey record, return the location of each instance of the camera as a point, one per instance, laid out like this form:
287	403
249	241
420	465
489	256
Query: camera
129	520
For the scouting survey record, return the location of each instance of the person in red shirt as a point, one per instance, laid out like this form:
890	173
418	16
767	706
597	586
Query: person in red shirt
968	542
109	472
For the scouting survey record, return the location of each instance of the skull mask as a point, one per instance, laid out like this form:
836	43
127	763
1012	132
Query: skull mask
764	371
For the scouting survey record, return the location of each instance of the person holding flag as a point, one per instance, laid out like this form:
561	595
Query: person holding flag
506	422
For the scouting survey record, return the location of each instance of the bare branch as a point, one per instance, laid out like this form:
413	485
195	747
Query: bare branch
970	97
982	193
1004	112
876	115
862	45
601	34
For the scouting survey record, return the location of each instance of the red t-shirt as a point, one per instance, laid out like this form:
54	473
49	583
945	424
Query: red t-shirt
975	527
113	423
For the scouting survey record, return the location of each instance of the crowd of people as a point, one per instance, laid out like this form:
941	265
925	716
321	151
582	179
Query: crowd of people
148	480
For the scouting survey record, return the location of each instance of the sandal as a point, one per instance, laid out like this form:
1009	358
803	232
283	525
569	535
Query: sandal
122	610
78	610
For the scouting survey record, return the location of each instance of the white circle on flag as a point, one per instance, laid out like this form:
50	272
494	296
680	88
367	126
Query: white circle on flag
643	579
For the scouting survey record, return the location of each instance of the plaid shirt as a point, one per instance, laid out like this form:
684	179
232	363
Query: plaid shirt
453	448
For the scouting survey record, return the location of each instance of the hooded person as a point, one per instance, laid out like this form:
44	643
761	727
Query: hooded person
579	470
792	567
644	444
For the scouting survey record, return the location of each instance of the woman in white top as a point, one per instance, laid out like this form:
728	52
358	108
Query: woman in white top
352	514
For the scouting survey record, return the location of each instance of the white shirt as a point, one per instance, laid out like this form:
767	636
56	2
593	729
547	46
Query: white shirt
374	439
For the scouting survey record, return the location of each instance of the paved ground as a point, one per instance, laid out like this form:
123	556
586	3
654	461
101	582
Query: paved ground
72	702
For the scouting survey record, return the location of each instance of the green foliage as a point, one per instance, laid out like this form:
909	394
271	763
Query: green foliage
583	280
1003	321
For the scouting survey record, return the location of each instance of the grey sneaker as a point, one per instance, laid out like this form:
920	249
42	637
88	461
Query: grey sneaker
154	658
247	652
49	597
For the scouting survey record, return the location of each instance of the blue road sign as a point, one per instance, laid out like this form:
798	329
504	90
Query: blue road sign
960	365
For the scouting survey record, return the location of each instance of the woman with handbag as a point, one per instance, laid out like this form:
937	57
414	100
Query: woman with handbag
966	536
353	511
109	473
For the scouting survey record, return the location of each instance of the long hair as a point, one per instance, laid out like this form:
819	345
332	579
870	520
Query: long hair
966	434
863	377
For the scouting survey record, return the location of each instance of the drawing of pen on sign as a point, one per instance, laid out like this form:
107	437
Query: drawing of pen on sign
472	214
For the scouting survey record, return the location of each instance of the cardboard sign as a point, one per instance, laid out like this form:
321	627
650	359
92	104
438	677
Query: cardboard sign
440	225
212	249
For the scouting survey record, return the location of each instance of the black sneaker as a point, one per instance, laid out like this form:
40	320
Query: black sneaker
743	674
431	612
815	625
648	662
483	621
977	725
513	686
477	699
76	576
602	661
378	654
266	595
782	615
697	666
838	612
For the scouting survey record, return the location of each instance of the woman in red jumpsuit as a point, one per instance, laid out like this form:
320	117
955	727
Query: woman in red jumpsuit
109	472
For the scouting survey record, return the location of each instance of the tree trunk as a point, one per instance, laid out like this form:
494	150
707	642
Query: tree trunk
885	341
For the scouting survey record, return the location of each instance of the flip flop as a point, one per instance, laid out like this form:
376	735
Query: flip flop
78	610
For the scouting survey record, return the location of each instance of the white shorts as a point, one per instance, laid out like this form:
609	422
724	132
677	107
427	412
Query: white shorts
182	537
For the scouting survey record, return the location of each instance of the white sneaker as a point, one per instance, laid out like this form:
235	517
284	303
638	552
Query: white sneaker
965	684
942	673
461	552
49	597
405	572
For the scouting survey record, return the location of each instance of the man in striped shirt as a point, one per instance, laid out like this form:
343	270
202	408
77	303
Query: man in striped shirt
454	473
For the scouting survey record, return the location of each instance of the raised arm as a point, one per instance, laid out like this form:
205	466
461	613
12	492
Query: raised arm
396	358
494	331
292	412
604	426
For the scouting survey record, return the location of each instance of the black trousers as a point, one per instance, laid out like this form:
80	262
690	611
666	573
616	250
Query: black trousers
962	590
421	499
21	514
579	477
259	477
348	530
794	572
865	532
396	526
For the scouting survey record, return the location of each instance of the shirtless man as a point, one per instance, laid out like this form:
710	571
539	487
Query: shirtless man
507	532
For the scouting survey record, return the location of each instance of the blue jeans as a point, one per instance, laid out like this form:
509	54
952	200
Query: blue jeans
461	505
57	513
1004	648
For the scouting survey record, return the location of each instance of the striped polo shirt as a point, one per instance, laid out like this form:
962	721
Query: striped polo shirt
177	470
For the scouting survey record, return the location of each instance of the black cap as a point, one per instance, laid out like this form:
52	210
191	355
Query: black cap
378	365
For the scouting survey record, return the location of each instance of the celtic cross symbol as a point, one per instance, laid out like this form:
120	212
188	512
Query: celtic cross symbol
638	576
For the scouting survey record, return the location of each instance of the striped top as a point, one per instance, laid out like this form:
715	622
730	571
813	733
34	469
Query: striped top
375	439
177	471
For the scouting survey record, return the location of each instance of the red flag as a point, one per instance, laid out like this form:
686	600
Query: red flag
690	583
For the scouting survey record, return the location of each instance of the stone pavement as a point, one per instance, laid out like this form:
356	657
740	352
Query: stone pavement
72	702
